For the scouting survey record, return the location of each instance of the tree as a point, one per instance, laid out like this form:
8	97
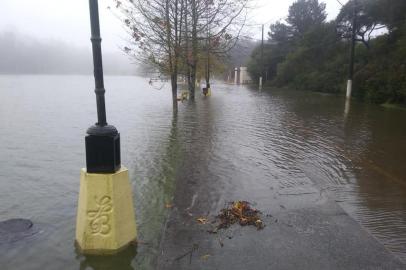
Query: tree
171	34
215	28
280	33
366	20
305	14
317	59
155	29
391	13
316	63
303	17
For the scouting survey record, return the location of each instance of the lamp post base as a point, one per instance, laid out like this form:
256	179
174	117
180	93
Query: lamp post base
103	149
105	221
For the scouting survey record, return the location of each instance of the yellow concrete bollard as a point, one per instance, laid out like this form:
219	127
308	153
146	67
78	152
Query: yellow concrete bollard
105	218
209	92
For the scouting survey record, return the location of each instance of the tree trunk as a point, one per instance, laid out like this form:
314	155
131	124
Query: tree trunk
187	60
172	59
193	71
174	84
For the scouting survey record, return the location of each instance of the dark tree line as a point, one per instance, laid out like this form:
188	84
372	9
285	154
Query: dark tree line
306	52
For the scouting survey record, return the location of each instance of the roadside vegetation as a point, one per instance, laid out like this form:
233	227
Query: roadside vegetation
181	38
306	52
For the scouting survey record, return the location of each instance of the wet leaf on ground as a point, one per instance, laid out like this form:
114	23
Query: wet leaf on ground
239	212
205	257
168	206
202	220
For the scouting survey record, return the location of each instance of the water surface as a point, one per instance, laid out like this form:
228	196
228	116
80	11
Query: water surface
268	142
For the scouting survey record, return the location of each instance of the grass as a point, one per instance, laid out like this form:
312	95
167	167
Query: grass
394	106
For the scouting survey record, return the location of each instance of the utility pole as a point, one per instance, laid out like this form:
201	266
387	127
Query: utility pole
352	52
262	59
207	90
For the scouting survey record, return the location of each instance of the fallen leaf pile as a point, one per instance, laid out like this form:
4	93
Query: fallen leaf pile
241	212
202	220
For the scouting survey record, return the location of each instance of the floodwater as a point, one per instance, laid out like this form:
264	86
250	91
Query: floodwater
284	139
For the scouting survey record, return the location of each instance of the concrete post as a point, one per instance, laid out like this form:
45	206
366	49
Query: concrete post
349	89
236	76
241	75
243	72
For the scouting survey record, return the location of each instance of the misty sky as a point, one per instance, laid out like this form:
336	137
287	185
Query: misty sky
68	20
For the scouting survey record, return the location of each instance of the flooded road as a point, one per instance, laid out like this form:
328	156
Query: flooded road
273	143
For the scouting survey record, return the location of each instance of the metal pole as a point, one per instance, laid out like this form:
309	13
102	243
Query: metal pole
97	62
102	140
208	47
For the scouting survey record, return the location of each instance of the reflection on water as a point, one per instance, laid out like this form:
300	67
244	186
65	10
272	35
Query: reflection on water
153	197
42	150
122	260
358	160
267	144
347	107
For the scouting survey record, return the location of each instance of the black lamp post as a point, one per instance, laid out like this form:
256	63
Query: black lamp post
102	140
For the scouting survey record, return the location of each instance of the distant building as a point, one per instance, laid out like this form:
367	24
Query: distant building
241	76
245	78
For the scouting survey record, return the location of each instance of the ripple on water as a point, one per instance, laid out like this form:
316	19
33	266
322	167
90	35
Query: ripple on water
269	144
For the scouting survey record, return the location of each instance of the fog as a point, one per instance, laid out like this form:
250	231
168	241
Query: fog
52	36
22	54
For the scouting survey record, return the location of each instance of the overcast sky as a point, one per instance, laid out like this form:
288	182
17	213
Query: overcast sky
68	20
